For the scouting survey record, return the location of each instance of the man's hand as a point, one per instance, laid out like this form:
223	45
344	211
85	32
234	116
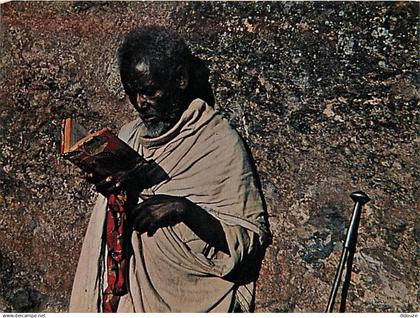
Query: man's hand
135	180
104	186
159	211
165	210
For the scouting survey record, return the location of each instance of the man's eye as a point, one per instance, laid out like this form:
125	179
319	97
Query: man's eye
151	93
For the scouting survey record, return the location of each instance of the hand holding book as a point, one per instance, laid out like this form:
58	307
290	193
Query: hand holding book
109	162
132	180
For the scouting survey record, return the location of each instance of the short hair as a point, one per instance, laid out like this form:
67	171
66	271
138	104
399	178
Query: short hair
164	50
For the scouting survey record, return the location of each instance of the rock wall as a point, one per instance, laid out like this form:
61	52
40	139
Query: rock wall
325	93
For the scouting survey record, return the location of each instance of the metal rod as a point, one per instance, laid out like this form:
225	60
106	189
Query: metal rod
349	248
346	283
337	280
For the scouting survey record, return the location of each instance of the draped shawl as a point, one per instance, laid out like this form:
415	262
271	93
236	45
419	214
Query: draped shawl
174	270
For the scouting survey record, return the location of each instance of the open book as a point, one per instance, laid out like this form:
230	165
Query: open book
100	152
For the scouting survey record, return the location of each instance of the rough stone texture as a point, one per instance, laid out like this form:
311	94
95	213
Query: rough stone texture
324	93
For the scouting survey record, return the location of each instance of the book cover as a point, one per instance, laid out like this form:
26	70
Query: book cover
100	152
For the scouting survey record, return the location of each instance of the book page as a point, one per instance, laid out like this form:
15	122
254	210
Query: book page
71	133
77	132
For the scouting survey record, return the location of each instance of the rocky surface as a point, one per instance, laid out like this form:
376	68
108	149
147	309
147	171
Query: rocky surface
325	93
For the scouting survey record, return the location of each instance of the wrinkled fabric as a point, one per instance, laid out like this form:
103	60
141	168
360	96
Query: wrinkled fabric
174	270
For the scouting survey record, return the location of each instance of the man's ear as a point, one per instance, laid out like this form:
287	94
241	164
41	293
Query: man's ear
183	77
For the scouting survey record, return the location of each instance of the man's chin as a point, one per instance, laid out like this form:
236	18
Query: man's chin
155	129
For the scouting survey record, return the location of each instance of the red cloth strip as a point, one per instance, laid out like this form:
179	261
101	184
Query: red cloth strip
117	242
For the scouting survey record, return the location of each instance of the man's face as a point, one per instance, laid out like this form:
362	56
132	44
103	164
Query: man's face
157	103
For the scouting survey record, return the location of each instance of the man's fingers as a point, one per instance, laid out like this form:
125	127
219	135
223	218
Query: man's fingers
102	186
148	202
92	178
107	186
114	188
152	229
144	221
141	224
145	197
156	212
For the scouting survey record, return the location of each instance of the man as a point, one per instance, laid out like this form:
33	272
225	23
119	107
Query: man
199	234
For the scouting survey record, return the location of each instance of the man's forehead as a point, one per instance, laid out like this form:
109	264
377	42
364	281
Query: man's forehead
146	74
142	75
